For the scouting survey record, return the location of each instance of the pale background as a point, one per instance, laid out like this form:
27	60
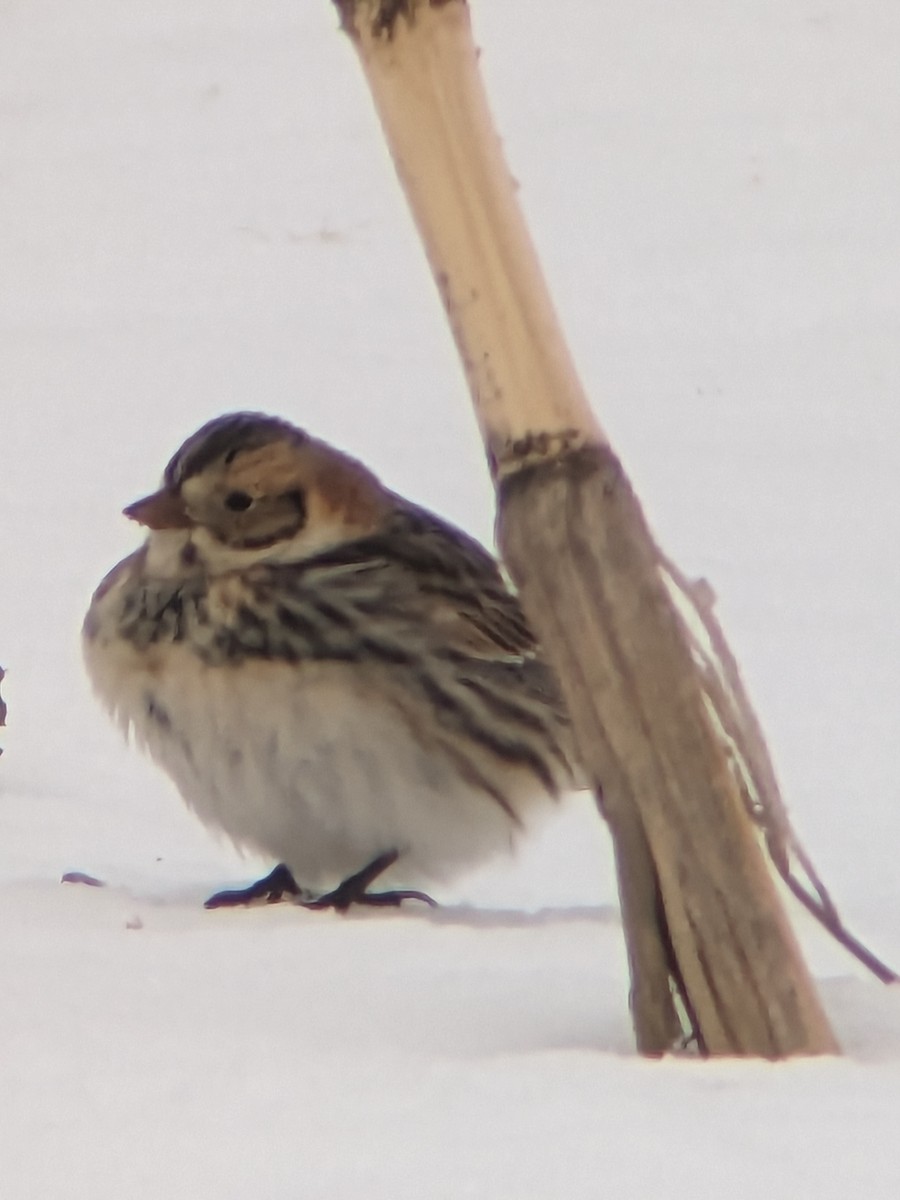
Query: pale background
197	214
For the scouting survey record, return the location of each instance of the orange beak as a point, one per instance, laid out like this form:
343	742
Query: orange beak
163	510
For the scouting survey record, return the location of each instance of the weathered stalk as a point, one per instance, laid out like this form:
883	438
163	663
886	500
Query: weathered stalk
701	914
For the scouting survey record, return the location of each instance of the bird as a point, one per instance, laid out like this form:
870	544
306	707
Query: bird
333	677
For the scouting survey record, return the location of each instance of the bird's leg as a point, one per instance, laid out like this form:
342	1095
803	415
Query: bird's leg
276	885
353	889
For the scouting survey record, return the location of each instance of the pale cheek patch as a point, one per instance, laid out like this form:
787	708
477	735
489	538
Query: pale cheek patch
165	552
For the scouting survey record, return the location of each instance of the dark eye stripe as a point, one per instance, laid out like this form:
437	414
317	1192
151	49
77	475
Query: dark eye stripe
238	501
297	497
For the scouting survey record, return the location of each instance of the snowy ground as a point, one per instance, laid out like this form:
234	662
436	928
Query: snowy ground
197	214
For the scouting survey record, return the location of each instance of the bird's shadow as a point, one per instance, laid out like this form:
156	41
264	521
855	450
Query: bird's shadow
473	916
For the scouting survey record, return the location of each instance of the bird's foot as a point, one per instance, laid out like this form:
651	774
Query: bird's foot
277	885
353	889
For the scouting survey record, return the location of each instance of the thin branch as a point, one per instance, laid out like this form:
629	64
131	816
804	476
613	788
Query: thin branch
739	728
835	926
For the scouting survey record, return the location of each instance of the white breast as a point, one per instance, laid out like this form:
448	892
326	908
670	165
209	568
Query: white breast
320	765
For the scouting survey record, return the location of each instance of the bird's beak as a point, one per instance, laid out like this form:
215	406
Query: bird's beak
163	510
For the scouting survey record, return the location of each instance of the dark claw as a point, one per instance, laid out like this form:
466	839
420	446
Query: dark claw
280	883
338	901
276	885
353	889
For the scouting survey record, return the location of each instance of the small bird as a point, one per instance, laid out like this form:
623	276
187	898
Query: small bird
332	676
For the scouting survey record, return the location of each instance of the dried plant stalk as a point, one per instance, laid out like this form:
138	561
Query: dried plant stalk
706	933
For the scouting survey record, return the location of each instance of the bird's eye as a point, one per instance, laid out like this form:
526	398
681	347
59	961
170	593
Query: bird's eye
238	501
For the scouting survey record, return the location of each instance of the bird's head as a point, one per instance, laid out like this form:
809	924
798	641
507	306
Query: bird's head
249	488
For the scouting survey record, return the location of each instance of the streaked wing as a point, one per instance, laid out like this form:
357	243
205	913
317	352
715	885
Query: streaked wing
422	597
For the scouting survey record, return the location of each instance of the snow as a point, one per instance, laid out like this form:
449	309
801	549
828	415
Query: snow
197	214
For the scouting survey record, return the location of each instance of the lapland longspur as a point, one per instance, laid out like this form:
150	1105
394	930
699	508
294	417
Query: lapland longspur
332	676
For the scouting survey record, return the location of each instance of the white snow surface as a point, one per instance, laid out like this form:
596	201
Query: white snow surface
197	214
